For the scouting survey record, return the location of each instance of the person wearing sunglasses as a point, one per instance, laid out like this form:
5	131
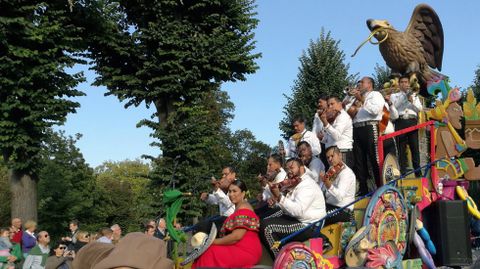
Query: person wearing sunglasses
61	258
37	257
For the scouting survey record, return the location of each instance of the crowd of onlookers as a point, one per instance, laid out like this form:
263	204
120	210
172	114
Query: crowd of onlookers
25	247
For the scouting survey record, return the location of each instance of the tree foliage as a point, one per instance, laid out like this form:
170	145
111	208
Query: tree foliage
114	192
125	195
67	186
476	83
174	55
37	45
381	75
39	42
322	71
5	197
167	53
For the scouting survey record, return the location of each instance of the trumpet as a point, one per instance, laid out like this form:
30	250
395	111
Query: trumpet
349	90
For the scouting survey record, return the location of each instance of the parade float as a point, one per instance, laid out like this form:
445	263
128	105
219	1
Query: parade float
408	222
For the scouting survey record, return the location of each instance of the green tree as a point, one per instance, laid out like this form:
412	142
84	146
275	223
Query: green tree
38	43
125	196
381	75
249	156
322	71
66	189
476	83
5	197
174	55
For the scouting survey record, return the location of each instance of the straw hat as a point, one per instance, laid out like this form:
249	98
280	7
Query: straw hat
200	243
391	169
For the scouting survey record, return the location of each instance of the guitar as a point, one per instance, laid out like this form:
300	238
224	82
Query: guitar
382	125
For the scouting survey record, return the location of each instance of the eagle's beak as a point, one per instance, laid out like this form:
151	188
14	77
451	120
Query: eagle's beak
369	24
372	24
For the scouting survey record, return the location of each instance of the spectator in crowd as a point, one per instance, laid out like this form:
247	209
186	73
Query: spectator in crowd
94	237
16	229
106	235
82	238
28	238
61	258
161	231
71	239
117	233
151	222
15	252
150	230
37	257
5	249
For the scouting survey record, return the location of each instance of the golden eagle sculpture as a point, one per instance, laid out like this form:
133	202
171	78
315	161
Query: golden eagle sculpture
415	52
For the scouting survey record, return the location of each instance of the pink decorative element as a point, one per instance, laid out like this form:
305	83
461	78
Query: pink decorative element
316	245
454	95
381	256
426	197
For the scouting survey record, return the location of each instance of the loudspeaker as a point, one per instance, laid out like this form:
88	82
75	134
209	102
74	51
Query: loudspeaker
448	225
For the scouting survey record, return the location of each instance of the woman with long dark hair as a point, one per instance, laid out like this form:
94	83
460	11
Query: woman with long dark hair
239	244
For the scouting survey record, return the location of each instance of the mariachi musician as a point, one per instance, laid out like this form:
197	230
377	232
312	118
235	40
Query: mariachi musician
366	131
338	132
301	134
408	106
300	202
339	184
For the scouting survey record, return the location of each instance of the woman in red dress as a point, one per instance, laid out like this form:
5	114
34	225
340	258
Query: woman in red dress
239	244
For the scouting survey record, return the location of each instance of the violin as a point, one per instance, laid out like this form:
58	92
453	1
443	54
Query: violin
288	184
333	172
331	114
269	177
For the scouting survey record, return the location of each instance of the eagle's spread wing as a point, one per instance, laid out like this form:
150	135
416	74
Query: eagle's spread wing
427	28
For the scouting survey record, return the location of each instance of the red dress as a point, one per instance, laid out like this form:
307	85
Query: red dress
245	253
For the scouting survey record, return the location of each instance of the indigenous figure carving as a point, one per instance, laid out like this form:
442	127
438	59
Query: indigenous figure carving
449	144
472	121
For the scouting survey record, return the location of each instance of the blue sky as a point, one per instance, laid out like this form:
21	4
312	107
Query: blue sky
284	31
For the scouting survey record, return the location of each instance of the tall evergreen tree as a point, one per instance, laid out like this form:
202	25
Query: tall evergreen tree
322	71
38	43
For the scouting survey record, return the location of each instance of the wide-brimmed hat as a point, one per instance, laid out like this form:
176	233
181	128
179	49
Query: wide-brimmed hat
91	254
357	249
391	168
139	251
200	243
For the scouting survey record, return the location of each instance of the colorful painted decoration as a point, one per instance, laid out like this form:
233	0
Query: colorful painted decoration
424	254
296	255
472	206
387	215
386	256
